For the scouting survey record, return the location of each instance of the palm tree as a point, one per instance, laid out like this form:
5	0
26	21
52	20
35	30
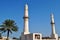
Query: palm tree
9	26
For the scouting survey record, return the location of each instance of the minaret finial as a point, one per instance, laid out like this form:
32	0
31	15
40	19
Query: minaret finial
26	10
52	18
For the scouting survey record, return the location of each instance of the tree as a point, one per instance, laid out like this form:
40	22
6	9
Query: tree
9	26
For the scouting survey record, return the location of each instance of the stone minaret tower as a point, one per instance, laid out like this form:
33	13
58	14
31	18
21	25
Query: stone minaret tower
26	23
53	35
53	24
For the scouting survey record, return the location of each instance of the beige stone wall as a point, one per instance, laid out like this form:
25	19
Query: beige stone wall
3	39
59	38
48	39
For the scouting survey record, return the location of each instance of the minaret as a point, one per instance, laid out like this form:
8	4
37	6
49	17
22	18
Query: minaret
26	23
53	24
53	35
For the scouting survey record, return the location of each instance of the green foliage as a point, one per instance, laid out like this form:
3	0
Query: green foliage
9	26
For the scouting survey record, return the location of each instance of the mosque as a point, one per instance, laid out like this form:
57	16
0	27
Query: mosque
26	35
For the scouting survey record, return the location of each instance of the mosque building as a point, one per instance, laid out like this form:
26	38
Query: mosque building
26	35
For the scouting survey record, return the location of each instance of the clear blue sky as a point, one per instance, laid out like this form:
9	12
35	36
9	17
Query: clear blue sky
39	14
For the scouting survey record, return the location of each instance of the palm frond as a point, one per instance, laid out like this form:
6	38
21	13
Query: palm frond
15	28
2	29
2	25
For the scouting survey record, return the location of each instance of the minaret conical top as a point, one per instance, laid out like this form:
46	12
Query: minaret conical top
52	18
26	10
